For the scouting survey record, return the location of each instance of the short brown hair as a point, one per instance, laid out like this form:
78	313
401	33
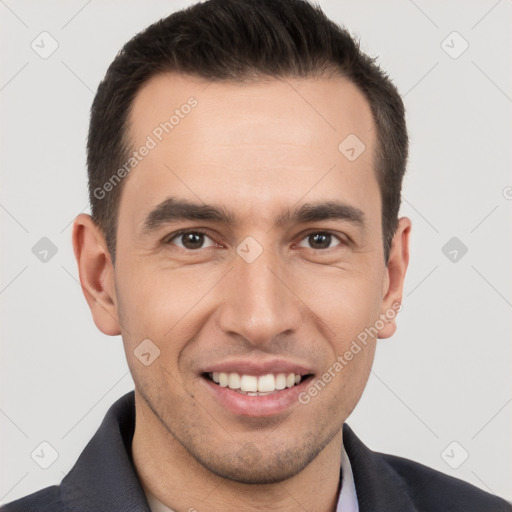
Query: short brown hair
241	40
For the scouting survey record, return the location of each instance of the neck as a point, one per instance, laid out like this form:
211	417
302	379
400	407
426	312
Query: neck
171	474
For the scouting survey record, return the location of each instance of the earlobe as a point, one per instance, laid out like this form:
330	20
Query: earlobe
394	279
96	274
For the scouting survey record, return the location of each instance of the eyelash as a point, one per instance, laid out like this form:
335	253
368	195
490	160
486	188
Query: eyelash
168	239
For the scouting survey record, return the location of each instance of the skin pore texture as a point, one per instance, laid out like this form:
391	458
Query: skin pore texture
255	150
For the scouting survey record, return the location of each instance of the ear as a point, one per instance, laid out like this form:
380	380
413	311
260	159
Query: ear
96	274
394	279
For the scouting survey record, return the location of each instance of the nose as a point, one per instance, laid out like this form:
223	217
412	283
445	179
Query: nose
258	301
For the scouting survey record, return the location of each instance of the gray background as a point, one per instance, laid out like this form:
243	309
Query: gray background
444	377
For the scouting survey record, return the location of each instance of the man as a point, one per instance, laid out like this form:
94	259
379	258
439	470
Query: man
245	163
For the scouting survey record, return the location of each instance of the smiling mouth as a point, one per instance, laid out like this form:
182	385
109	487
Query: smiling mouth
252	385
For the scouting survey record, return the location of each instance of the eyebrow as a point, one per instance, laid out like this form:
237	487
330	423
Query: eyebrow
174	209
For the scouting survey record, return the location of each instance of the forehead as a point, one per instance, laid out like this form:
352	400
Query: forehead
250	145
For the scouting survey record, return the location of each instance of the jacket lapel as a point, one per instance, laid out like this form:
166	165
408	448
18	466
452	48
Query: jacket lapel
379	488
104	479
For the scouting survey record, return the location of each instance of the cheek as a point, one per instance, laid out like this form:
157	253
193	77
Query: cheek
346	302
166	307
155	301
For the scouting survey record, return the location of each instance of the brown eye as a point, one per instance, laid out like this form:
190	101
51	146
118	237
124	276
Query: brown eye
190	240
320	240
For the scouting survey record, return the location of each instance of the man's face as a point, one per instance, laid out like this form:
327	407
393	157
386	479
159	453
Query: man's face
267	292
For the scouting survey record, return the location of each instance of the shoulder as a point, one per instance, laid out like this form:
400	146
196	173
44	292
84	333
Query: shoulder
387	482
438	491
44	500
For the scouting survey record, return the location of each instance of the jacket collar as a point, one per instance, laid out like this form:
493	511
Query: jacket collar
379	488
104	477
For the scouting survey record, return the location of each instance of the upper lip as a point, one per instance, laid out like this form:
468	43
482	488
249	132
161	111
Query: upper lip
257	368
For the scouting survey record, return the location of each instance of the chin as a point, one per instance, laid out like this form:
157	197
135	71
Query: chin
255	464
250	466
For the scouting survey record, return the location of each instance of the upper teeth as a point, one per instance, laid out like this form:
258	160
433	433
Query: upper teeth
251	383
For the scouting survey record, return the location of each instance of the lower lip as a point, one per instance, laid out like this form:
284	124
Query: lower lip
256	406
